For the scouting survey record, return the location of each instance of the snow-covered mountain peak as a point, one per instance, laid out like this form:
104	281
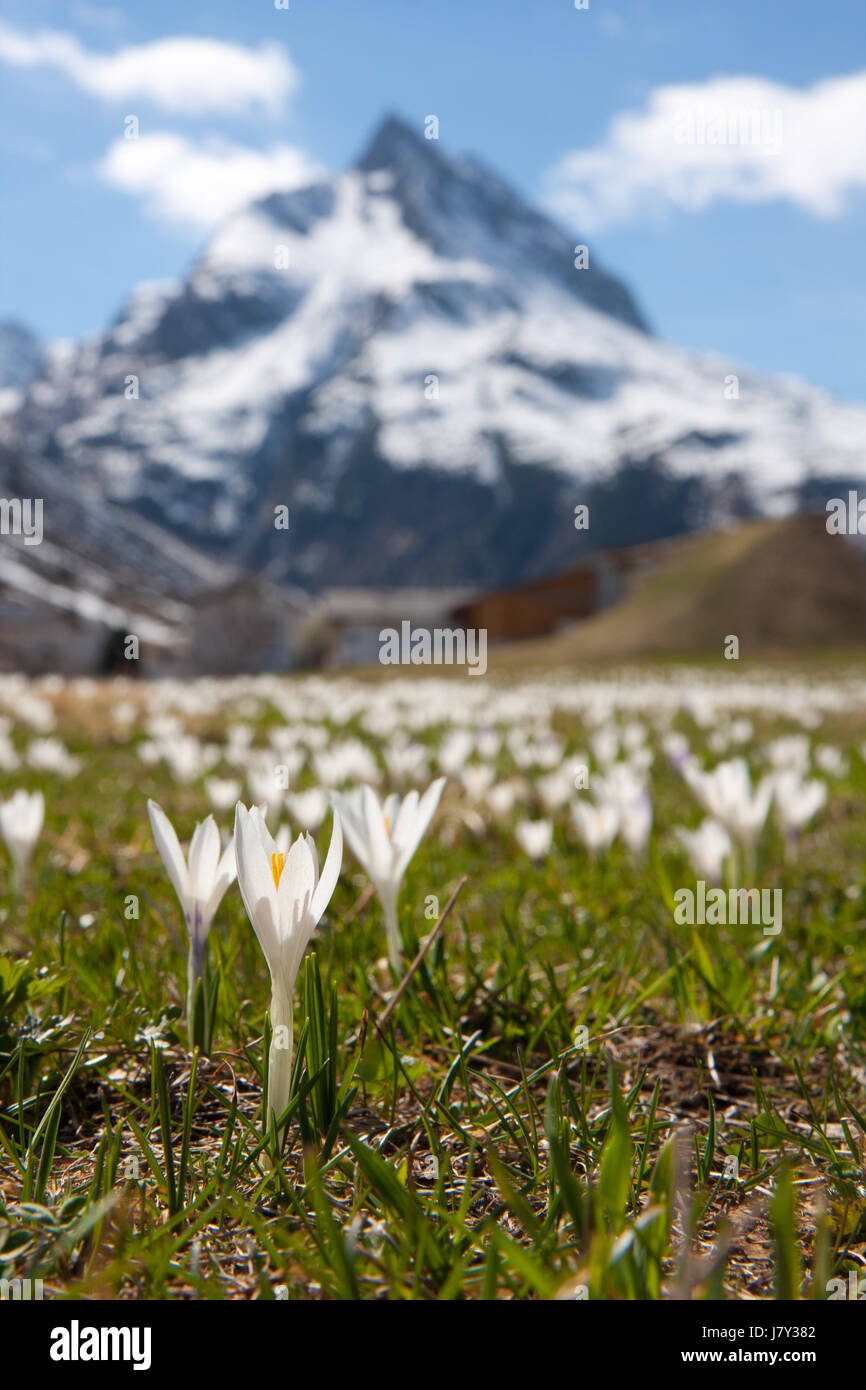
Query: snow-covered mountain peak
405	353
407	213
396	143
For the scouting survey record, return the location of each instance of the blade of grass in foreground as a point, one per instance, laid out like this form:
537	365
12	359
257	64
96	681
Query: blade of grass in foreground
50	1124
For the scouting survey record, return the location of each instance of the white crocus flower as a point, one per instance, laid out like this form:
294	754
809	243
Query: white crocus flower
633	737
596	825
454	751
50	755
309	807
265	787
21	819
641	760
535	837
200	883
831	760
796	803
636	819
488	742
502	797
624	790
285	899
383	838
726	794
675	747
620	785
556	788
9	759
477	778
708	847
790	753
349	761
545	752
222	792
605	745
404	759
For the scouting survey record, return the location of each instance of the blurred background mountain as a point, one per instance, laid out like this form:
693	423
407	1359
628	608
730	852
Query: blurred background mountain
385	394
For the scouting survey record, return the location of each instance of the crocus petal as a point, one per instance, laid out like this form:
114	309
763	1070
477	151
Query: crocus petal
403	825
204	855
330	873
256	882
423	816
381	865
297	885
295	895
271	845
170	852
314	854
225	876
353	826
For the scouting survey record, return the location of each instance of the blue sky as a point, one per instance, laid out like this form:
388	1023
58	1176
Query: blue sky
762	260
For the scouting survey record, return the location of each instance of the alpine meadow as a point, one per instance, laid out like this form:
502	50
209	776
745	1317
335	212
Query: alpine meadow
432	675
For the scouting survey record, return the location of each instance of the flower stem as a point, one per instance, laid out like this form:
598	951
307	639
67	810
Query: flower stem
280	1054
195	969
392	928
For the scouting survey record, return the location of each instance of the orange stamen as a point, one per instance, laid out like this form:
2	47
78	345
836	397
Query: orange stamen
278	863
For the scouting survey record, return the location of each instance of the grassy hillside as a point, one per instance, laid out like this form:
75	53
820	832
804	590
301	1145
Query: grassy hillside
780	586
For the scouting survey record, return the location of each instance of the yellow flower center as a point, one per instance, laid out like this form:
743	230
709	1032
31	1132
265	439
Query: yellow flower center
278	863
387	825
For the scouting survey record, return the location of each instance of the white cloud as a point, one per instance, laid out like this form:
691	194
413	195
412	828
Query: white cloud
744	139
198	184
189	75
